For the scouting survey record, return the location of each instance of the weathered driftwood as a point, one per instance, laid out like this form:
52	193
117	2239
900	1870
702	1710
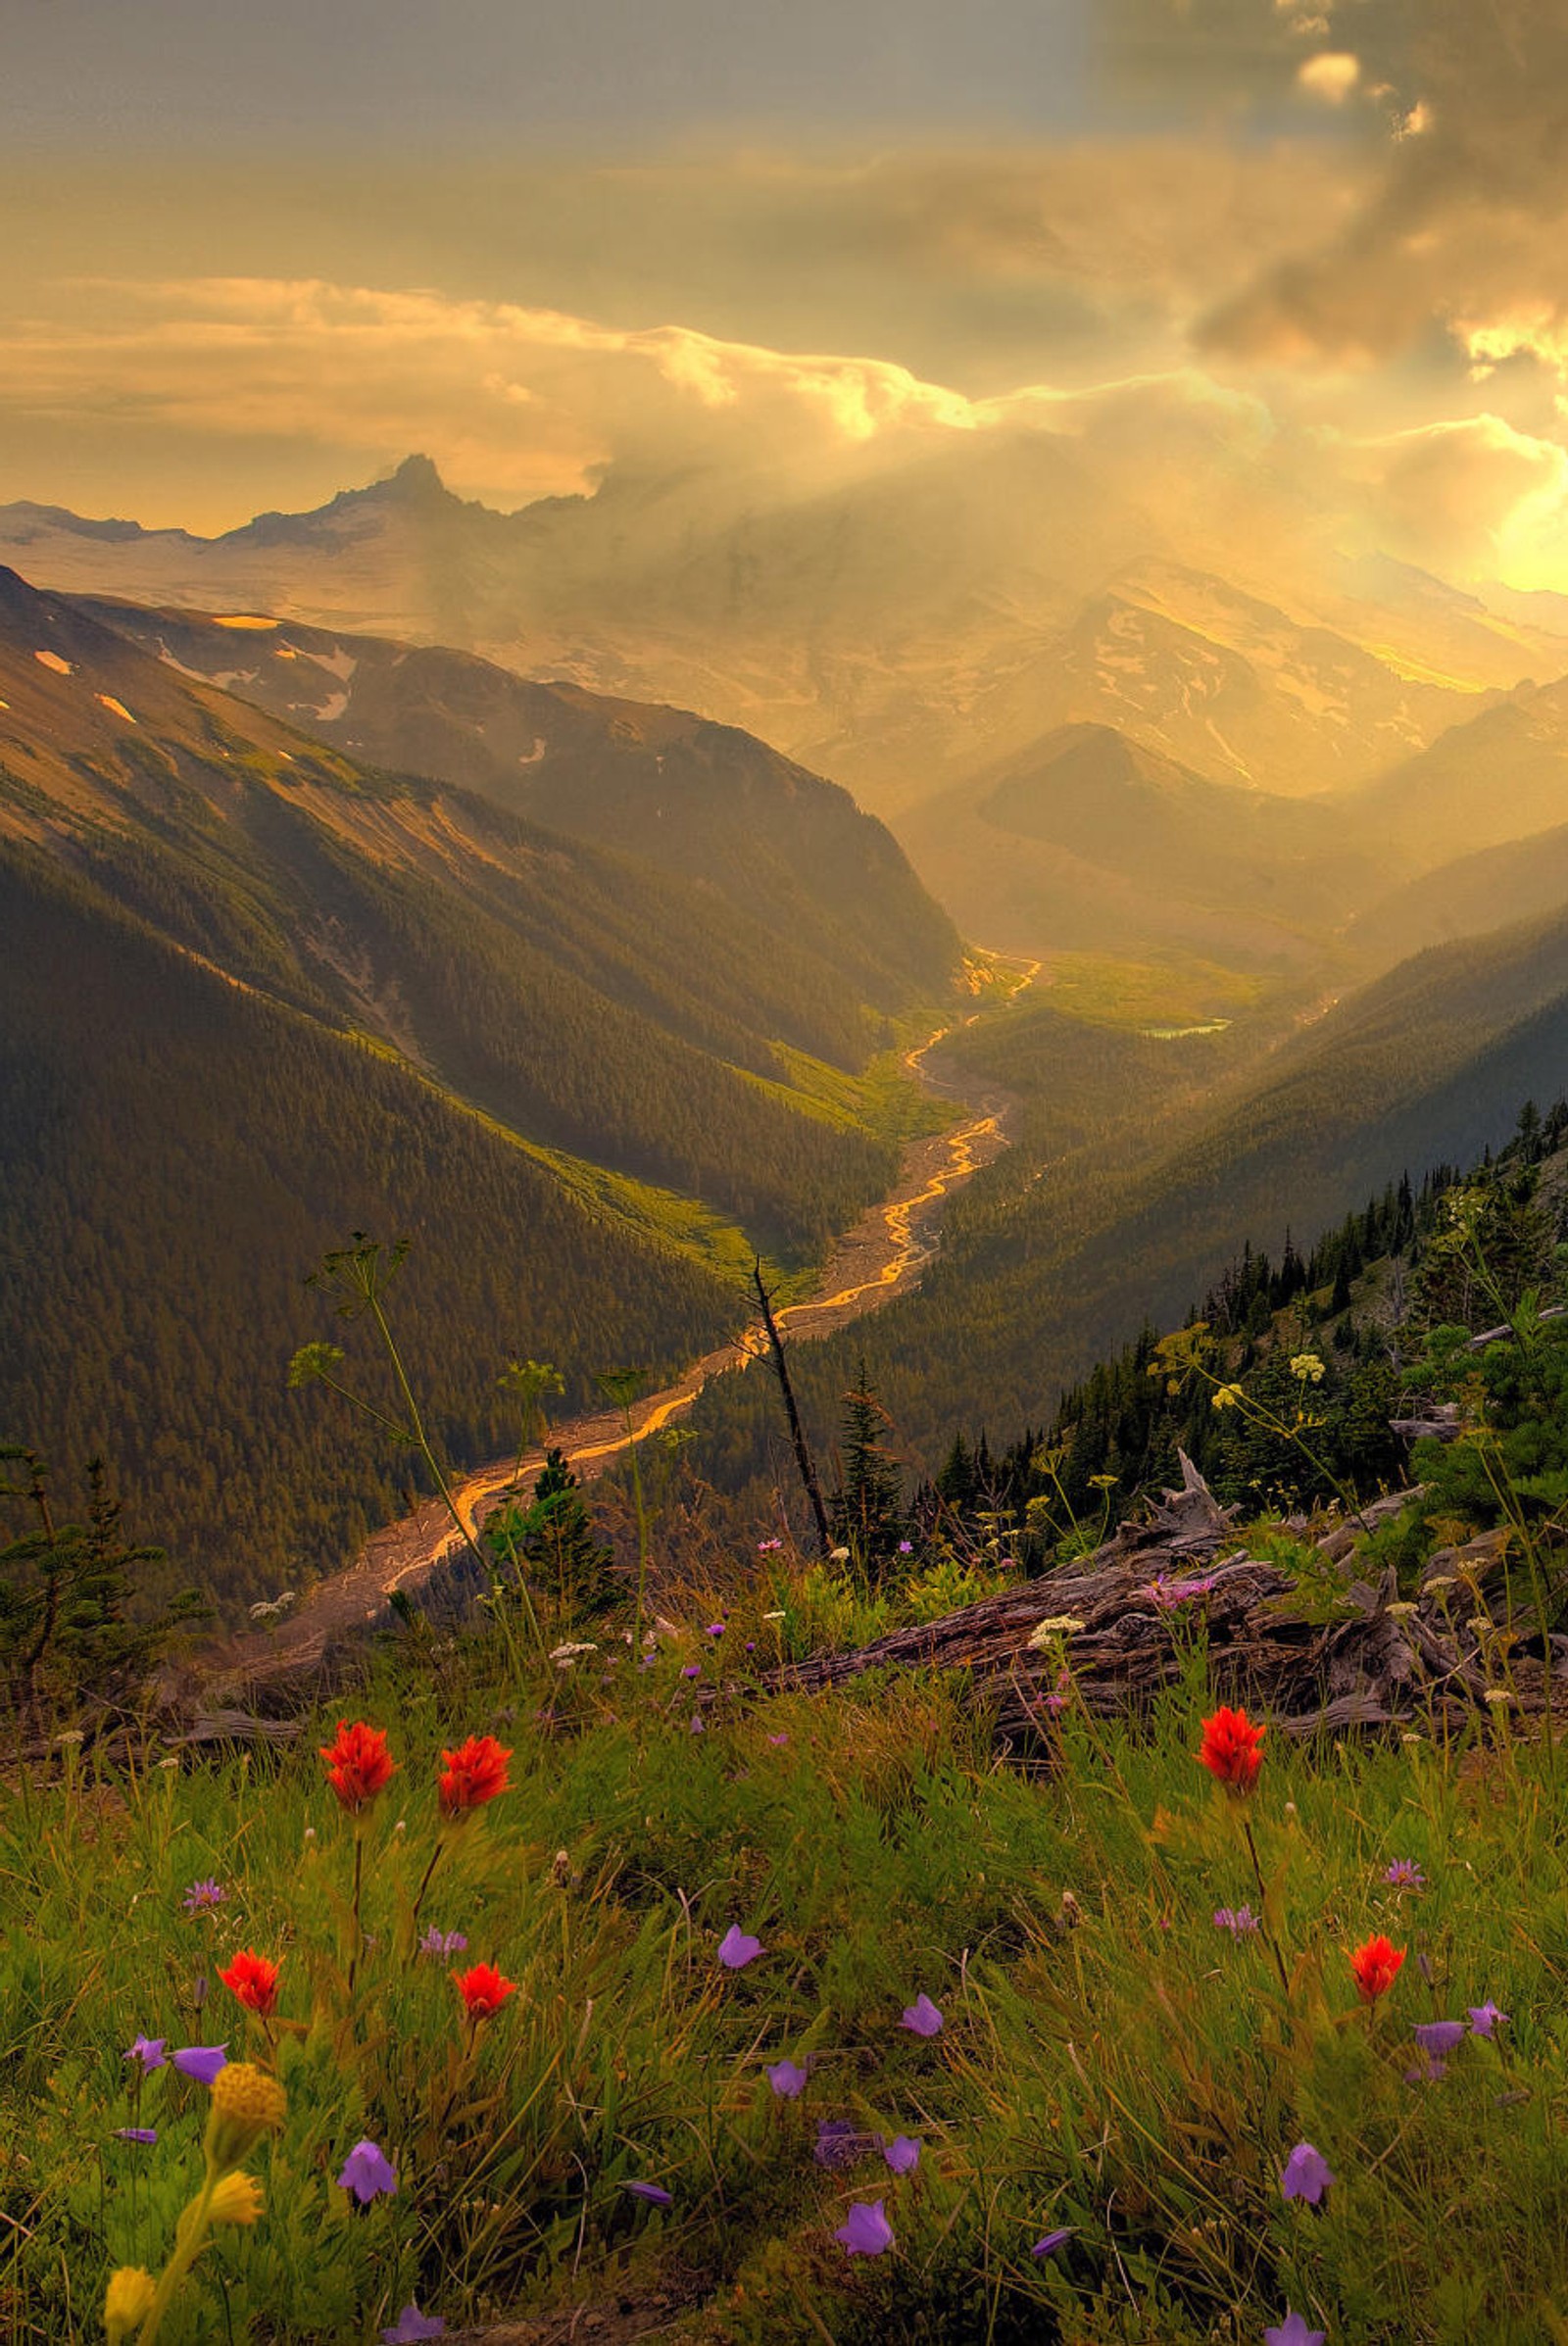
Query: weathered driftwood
1136	1602
1428	1420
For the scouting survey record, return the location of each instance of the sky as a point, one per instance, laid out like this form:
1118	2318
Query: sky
1306	250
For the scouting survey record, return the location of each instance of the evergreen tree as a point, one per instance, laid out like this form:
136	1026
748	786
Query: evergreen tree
557	1538
867	1510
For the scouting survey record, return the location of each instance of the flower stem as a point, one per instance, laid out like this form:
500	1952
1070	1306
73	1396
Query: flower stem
189	2234
437	1855
354	1906
1264	1924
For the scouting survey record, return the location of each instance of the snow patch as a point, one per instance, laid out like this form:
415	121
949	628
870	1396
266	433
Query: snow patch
337	661
116	708
242	621
536	752
52	659
332	708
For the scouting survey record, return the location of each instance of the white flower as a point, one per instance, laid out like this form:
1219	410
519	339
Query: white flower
565	1656
1060	1625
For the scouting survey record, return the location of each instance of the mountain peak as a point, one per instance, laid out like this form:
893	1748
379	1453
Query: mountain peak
416	477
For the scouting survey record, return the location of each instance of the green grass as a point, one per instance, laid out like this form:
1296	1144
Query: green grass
1168	995
1110	2062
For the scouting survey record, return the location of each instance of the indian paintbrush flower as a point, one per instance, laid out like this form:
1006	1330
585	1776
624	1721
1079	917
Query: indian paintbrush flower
483	1989
1230	1750
1376	1963
358	1764
472	1775
252	1980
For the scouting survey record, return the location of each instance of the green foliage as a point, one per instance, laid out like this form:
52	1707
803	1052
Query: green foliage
554	1542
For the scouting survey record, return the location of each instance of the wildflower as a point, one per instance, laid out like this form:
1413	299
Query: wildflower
1406	1873
906	1547
1177	1590
472	1775
1226	1397
565	1656
1230	1750
1056	1625
714	1629
692	1670
1293	2331
1048	2242
1401	1611
1238	1922
146	2135
787	2078
838	1555
358	1764
129	2302
1483	2018
483	1989
443	1943
202	1896
369	2173
1306	2175
653	2193
1440	2036
777	1740
1308	1367
253	1981
236	2200
149	2051
1376	1964
921	2018
903	2152
411	2326
1500	1698
202	2062
769	1547
778	1615
697	1727
865	2231
737	1948
246	2103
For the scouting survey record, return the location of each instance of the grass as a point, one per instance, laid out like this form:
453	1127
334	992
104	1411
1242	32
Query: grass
1171	994
1110	2062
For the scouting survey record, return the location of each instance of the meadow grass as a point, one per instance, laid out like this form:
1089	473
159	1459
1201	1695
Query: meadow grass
1112	2064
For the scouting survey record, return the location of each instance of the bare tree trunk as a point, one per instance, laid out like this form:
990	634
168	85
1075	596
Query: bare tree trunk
803	1456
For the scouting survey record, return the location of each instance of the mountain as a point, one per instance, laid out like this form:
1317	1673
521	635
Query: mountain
898	630
1502	775
1091	840
791	854
260	994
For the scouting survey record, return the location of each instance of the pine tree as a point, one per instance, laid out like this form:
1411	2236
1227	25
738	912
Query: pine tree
868	1507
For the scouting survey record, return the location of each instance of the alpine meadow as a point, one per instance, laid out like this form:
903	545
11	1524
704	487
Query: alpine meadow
784	1173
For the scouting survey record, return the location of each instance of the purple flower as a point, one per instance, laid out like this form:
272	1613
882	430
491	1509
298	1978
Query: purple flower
839	2143
369	2173
769	1547
202	2062
692	1670
442	1943
714	1629
1440	2036
1238	1922
866	2231
778	1740
1293	2331
148	2134
1166	1593
149	2051
1048	2242
1406	1873
921	2018
737	1948
1483	2018
751	1644
697	1727
906	1547
655	2195
903	2152
1306	2175
787	2079
202	1896
411	2326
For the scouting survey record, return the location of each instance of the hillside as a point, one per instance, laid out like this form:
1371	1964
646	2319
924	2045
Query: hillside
296	996
1089	838
790	854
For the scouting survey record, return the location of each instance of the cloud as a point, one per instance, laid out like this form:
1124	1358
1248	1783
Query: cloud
1331	74
1465	226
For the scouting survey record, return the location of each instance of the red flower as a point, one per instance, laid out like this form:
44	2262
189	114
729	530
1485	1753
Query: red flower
1230	1750
483	1990
472	1775
359	1764
254	1980
1375	1966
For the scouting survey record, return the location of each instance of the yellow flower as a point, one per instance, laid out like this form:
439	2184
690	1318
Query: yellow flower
246	2103
1309	1367
129	2302
1226	1397
1061	1625
1500	1698
236	2200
